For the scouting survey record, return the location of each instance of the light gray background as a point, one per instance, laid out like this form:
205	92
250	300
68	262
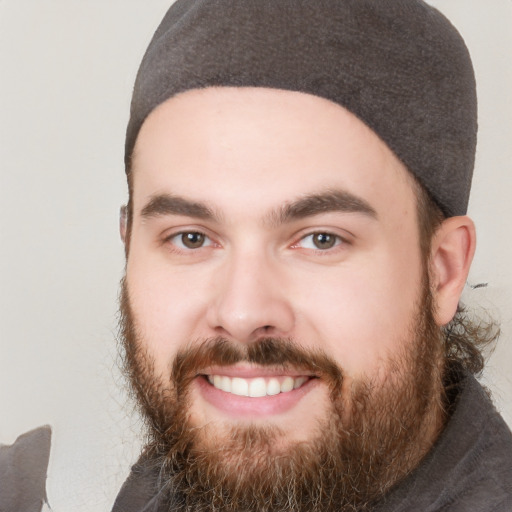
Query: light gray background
67	68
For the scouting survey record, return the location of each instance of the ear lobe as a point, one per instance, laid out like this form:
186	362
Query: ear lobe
122	223
453	247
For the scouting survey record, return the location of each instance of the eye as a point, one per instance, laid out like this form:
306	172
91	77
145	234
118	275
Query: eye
190	240
320	241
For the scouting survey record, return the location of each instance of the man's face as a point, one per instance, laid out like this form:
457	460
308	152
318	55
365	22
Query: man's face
269	215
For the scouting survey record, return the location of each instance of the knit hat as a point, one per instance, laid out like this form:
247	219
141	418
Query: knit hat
398	65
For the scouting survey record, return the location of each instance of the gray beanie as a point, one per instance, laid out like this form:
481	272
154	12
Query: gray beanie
399	65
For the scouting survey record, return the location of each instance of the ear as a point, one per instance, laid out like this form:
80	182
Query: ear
123	213
453	247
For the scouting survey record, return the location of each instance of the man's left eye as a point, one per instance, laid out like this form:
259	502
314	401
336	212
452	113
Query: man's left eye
319	241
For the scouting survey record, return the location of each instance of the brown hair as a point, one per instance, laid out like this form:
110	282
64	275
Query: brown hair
467	338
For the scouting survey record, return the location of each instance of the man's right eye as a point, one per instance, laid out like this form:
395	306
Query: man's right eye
190	240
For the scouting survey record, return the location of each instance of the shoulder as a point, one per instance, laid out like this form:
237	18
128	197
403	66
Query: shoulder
469	469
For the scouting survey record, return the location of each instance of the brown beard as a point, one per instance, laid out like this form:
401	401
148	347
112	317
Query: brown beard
368	441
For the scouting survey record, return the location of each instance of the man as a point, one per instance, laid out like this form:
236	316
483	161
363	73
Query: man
297	245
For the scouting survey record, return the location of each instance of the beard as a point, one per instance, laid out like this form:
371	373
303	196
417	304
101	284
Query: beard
372	435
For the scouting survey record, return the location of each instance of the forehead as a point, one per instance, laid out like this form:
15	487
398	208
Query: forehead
267	145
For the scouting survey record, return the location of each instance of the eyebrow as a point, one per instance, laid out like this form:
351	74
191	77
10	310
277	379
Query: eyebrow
166	204
307	206
323	202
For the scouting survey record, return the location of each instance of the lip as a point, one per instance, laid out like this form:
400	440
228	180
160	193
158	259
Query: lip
248	407
252	372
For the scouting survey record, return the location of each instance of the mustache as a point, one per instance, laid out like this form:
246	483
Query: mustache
277	353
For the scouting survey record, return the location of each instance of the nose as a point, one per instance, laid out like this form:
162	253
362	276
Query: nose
250	300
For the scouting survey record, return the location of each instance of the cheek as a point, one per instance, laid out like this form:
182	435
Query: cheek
362	313
167	307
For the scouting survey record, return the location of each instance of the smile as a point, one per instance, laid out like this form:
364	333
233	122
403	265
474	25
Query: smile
256	387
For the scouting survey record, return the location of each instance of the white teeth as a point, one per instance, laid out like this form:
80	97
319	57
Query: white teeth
257	387
287	385
238	386
298	382
225	384
273	387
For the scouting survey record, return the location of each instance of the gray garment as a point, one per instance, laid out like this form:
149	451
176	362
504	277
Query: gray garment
470	467
23	467
468	470
398	65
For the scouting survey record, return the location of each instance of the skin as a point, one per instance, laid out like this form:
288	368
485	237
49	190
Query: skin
245	155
